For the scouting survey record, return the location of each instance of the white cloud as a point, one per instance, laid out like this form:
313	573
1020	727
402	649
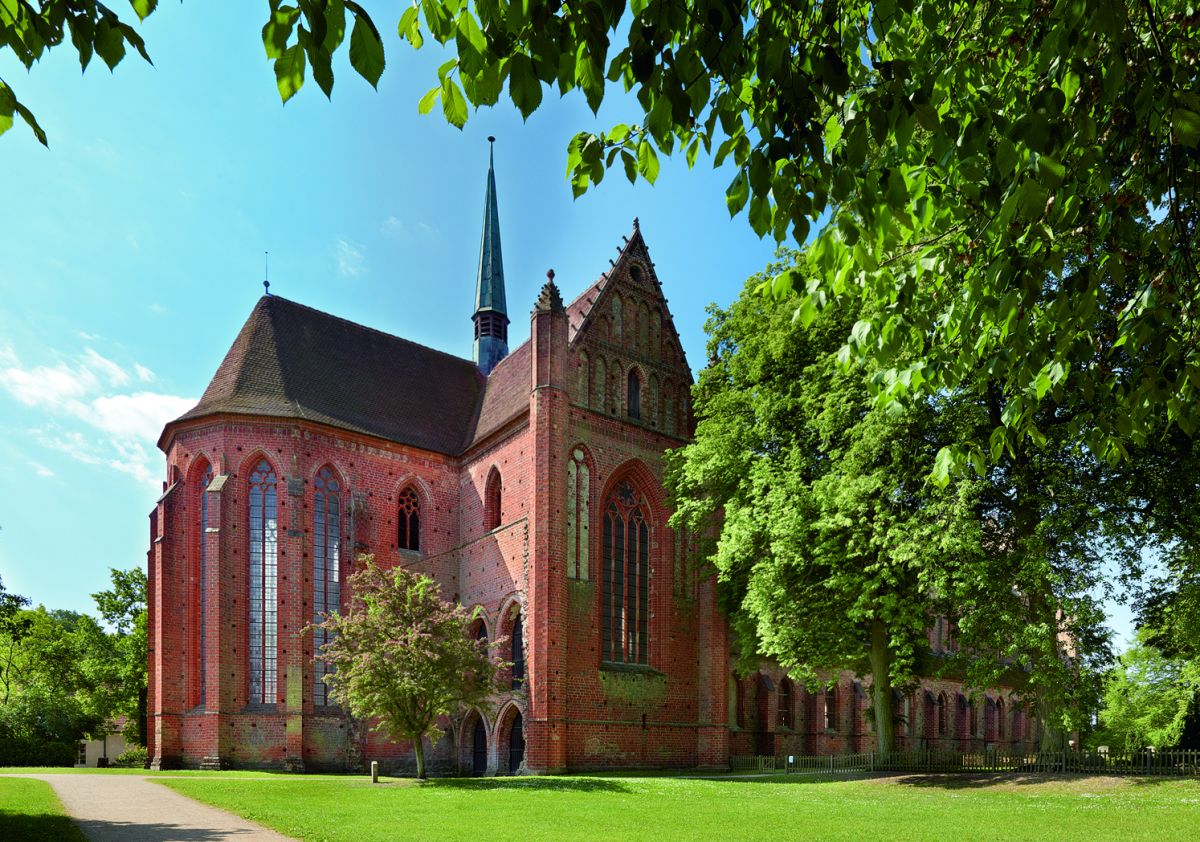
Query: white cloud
395	228
120	428
392	227
350	258
115	375
139	416
41	470
157	309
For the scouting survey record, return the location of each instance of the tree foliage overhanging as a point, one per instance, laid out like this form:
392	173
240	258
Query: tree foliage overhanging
835	552
989	179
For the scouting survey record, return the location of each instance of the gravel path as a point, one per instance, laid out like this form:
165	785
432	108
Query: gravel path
128	808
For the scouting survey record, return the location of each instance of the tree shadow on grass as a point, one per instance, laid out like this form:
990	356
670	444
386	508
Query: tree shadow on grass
38	827
980	780
532	784
106	831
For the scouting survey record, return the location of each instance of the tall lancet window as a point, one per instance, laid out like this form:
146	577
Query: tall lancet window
263	557
327	588
408	521
625	606
634	403
579	493
199	645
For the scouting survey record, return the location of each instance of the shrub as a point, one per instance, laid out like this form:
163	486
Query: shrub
134	757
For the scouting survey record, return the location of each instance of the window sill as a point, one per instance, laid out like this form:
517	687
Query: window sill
259	707
636	669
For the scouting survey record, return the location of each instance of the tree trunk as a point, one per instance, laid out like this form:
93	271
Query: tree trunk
419	751
881	689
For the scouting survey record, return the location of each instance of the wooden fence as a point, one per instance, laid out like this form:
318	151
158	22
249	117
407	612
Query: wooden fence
1181	763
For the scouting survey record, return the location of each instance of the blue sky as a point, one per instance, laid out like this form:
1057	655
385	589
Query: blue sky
133	250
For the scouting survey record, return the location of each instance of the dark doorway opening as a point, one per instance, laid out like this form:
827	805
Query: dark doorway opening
516	745
479	749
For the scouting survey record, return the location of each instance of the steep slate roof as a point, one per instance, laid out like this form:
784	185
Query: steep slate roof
506	394
291	361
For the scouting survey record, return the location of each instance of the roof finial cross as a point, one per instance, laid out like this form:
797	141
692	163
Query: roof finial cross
267	272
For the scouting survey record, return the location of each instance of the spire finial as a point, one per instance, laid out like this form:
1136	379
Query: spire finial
267	272
635	223
491	313
491	150
550	275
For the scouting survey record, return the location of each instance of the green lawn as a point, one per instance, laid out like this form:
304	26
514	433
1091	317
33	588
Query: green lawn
665	810
29	810
196	773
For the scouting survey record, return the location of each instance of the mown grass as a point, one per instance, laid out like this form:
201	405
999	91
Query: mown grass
187	773
29	810
662	809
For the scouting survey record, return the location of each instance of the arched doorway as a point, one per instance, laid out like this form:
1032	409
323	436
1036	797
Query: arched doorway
516	745
479	749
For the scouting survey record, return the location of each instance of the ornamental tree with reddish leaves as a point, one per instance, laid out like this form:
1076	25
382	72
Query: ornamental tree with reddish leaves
402	656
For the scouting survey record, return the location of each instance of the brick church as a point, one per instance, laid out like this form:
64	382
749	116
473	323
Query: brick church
524	481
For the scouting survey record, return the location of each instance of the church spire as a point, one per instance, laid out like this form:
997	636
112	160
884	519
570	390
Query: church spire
491	312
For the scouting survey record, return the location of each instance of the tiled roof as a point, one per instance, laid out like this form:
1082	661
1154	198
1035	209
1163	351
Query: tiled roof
506	394
291	361
578	310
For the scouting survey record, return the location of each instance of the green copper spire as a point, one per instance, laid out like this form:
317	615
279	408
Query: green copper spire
491	312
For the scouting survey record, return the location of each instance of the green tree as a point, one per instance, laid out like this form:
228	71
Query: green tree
990	180
833	549
403	657
14	625
53	695
123	608
1148	696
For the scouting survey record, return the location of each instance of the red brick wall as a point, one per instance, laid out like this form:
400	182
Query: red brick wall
577	711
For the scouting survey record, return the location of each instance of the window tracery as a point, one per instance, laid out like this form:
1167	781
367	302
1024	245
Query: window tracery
578	515
408	521
626	580
263	569
327	589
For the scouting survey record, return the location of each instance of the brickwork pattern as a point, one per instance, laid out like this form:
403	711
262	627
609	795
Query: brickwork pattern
566	391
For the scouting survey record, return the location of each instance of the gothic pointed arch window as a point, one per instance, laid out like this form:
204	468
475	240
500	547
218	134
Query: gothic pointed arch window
204	476
327	587
634	402
652	400
785	703
583	382
1000	712
941	715
599	385
518	652
263	569
625	605
408	520
668	408
644	328
492	500
579	520
831	708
